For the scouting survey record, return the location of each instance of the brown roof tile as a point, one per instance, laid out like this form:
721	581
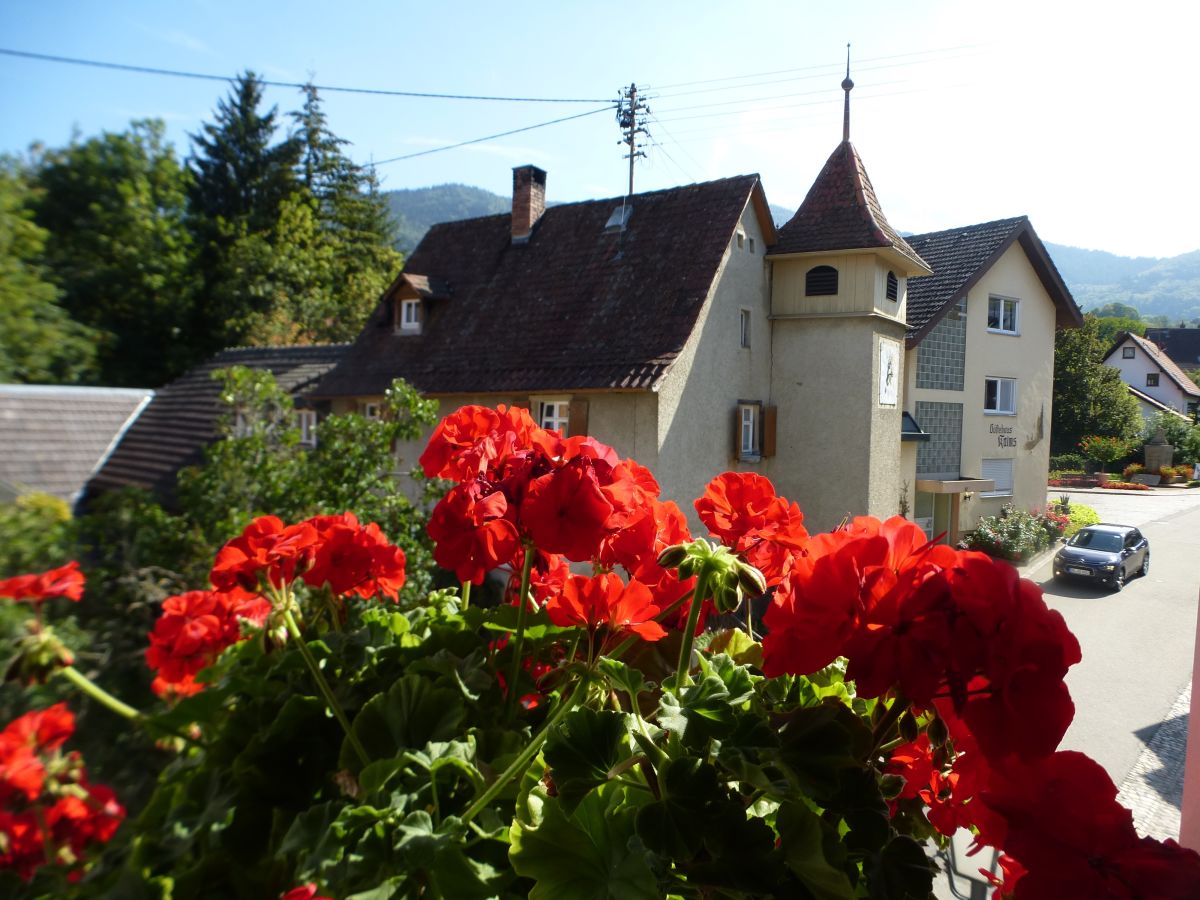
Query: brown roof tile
573	308
841	212
181	420
1181	344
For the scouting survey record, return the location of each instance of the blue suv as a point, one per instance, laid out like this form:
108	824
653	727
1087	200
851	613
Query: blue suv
1109	554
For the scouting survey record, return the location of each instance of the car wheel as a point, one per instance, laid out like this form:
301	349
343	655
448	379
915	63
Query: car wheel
1145	569
1118	581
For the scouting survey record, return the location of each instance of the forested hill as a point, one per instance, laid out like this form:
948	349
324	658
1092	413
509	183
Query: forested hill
1157	287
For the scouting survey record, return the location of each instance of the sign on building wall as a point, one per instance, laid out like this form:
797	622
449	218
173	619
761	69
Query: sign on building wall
889	372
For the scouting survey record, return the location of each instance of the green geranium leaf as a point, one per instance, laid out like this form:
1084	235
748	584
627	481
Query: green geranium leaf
591	855
860	802
709	707
901	871
622	677
412	713
583	749
803	838
739	681
693	800
818	744
739	646
312	838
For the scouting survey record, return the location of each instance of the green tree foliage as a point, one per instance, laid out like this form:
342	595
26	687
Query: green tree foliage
1117	311
39	342
117	245
1089	397
1105	449
1108	327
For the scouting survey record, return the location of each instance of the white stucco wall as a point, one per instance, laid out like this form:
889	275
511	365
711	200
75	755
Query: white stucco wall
1027	357
698	396
1134	372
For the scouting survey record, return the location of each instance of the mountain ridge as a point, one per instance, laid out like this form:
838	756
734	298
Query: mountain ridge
1156	286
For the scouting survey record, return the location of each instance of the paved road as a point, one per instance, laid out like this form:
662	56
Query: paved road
1137	644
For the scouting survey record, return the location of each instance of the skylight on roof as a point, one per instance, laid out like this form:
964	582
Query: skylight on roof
619	219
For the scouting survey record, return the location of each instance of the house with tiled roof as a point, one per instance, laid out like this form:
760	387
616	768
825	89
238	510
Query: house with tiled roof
54	437
682	328
1144	366
183	417
1181	344
979	371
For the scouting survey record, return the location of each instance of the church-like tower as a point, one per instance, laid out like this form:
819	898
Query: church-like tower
839	279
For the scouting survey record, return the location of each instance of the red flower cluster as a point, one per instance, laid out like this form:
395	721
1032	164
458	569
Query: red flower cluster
605	602
65	581
572	498
304	892
192	631
742	510
49	812
325	550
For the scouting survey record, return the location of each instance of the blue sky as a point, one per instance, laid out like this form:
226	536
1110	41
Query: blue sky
1080	115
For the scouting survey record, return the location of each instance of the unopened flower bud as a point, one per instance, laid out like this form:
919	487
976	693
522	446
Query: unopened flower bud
891	786
909	729
673	556
937	731
752	582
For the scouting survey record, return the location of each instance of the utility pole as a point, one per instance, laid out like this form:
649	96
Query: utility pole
631	116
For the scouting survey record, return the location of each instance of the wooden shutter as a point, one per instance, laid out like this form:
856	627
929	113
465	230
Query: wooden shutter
768	430
577	418
737	432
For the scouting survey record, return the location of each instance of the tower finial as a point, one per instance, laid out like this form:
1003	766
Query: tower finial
847	86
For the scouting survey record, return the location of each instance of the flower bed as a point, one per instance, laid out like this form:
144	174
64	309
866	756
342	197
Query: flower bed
1125	486
588	737
1016	534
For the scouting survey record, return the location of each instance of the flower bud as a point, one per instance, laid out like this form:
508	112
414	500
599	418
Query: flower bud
891	786
909	729
752	582
671	557
937	731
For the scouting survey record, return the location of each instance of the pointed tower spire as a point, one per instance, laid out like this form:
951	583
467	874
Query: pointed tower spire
847	86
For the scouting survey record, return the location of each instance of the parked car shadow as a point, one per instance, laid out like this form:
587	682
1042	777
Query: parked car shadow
1076	589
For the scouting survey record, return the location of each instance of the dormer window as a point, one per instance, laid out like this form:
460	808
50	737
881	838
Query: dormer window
893	286
821	281
408	317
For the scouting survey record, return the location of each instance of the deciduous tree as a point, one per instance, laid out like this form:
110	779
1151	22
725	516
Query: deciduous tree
1089	397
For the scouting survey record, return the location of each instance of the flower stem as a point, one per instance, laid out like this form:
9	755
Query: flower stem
514	668
98	694
465	594
689	633
890	718
622	648
323	686
518	765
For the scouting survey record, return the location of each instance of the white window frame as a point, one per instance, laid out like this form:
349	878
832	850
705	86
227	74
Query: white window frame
306	422
1004	303
1000	409
749	432
1128	353
1004	486
408	317
744	328
371	410
741	239
1156	380
553	413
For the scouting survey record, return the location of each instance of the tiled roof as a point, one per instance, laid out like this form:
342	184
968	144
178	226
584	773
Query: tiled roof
841	212
53	438
1181	344
1160	359
575	307
181	420
959	257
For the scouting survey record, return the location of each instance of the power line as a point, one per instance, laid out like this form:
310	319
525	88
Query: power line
492	137
147	70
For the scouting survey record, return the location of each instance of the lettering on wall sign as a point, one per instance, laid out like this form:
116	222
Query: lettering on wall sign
1004	435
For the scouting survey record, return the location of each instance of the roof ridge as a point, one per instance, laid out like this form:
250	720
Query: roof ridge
1012	220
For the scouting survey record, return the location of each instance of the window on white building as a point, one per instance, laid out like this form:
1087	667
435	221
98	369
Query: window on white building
748	431
554	415
408	318
1128	353
1002	315
1151	379
1000	396
371	410
306	421
745	328
1001	472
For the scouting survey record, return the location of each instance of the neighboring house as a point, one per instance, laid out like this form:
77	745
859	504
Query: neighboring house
1151	408
183	417
1181	344
653	321
53	438
1150	371
979	372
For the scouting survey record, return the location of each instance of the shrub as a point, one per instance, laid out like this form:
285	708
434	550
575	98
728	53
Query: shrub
1016	534
1078	516
1104	449
1067	462
1135	469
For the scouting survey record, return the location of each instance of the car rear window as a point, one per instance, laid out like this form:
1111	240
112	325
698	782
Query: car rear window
1097	540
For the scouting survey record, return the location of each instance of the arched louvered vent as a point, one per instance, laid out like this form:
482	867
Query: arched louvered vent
821	281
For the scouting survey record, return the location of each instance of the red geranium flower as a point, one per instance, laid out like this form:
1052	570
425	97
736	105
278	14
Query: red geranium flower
21	848
604	601
304	892
353	559
65	581
742	509
264	550
566	511
192	631
23	744
471	531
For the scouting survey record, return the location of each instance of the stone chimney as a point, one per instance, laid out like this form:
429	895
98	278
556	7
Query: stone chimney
529	201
